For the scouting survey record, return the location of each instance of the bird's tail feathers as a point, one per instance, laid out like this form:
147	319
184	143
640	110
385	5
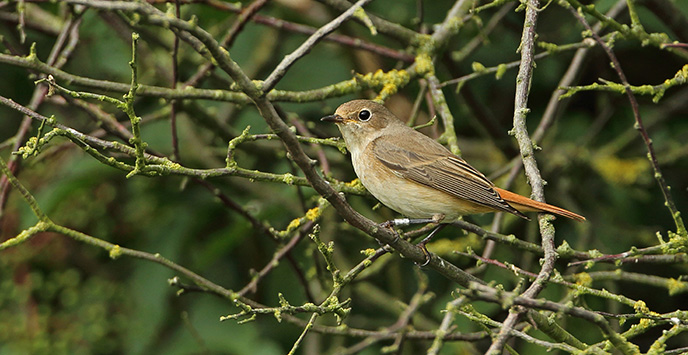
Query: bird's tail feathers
525	204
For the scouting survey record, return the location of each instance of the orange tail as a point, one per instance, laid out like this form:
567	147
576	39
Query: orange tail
525	204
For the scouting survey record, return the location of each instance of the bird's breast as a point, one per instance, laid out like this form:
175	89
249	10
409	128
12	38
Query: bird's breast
405	196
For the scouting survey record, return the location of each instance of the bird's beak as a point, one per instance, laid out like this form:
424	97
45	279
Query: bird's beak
333	118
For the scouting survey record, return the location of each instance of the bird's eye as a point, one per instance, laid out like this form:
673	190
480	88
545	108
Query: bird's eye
364	115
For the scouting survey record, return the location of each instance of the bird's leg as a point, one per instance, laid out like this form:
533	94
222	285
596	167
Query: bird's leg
425	241
401	222
408	221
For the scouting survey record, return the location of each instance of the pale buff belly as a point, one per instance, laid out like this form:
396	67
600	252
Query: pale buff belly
409	198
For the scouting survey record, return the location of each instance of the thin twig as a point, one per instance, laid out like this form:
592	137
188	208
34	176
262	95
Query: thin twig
525	144
174	106
306	46
279	254
669	201
491	295
245	15
58	56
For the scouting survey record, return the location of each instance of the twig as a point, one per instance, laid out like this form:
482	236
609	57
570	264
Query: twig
335	38
659	40
383	26
525	144
58	56
400	328
245	15
475	42
674	286
440	104
306	46
479	318
175	78
280	24
308	327
444	327
205	285
491	295
669	201
279	254
163	166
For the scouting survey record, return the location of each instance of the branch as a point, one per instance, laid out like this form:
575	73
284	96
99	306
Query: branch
306	46
157	166
491	295
525	144
383	26
669	201
660	40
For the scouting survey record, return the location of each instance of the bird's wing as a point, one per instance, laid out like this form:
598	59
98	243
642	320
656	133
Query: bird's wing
434	166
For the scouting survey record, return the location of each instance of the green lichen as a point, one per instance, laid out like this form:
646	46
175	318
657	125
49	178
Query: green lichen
295	223
424	64
583	279
478	67
641	307
360	14
676	286
549	47
564	249
313	213
115	252
594	253
501	70
368	252
32	57
425	43
288	179
355	183
389	82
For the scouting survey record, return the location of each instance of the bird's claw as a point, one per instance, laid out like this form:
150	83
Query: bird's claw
426	253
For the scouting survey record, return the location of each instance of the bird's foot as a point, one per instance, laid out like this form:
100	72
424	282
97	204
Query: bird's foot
426	253
422	244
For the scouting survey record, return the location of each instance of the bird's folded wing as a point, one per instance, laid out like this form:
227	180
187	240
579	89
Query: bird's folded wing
437	168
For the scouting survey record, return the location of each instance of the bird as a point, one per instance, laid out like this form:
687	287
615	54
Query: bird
418	177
